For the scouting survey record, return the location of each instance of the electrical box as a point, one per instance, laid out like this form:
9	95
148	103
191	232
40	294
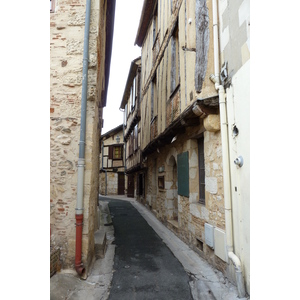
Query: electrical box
209	235
220	244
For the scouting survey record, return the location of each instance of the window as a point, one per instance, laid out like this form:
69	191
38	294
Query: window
201	170
161	182
155	21
115	152
174	59
130	144
135	137
133	93
153	98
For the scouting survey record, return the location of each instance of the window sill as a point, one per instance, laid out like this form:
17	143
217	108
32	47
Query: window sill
201	201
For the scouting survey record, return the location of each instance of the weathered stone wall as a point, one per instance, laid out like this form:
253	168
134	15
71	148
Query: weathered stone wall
111	183
66	53
185	215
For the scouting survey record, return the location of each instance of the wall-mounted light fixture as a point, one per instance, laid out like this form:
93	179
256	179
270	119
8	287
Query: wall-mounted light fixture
174	139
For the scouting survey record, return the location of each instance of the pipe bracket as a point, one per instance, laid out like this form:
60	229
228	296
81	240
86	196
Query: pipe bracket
78	224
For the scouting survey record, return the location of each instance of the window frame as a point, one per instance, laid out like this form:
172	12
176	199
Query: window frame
154	98
112	153
120	156
201	169
175	59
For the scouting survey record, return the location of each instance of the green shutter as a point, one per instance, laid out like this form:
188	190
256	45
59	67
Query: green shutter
183	173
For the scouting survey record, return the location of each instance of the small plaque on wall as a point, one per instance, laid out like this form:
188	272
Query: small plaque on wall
161	182
161	169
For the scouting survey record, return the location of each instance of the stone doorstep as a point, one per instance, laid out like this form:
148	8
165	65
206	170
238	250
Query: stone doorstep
100	243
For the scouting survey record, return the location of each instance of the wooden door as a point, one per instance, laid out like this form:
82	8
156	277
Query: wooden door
121	184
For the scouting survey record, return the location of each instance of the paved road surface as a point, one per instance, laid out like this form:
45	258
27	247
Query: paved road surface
144	266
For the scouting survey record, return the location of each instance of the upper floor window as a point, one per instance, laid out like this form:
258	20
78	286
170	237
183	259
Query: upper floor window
118	152
155	24
136	133
115	152
133	93
175	75
125	114
153	98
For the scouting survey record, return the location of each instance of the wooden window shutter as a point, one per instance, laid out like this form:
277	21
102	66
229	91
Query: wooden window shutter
110	152
183	173
122	150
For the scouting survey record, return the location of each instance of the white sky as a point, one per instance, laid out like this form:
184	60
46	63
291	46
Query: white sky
127	17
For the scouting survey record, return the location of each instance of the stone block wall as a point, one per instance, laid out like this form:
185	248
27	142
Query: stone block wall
66	54
111	183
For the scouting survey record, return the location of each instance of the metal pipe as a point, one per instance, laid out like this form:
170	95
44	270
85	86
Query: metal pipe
80	269
239	275
225	156
102	169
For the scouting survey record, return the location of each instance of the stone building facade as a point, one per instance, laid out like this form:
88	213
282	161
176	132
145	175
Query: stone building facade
180	126
132	130
112	163
67	26
183	135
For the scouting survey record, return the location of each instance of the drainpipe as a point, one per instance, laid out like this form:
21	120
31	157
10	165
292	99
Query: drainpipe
124	141
225	156
124	116
80	269
104	169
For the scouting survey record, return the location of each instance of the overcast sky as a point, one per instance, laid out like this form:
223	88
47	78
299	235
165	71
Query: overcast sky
127	17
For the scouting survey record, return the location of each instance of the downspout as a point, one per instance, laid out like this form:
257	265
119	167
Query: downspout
125	144
102	169
124	141
80	269
225	156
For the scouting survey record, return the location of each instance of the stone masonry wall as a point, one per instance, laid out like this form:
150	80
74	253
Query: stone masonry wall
66	50
111	183
187	217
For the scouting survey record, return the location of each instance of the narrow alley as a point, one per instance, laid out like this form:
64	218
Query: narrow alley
151	262
144	266
143	260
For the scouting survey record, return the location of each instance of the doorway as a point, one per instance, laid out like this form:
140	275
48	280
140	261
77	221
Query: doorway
121	184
